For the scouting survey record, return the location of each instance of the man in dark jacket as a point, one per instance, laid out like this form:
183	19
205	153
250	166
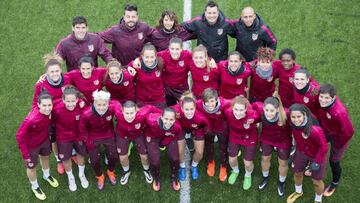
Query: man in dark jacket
128	37
252	33
211	30
80	43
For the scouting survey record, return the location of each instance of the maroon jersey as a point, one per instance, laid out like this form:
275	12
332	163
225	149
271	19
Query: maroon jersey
153	129
198	124
260	89
307	97
54	90
136	127
175	72
33	131
72	50
336	123
67	122
216	120
149	85
203	79
87	86
232	85
93	126
123	91
286	83
126	44
315	146
242	131
161	38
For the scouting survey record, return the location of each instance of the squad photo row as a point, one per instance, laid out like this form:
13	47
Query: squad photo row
155	96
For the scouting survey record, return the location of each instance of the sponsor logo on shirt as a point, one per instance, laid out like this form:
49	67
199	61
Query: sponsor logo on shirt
328	115
108	118
220	31
239	81
205	78
157	73
140	35
169	134
181	63
91	47
77	117
254	36
96	82
137	126
126	83
306	100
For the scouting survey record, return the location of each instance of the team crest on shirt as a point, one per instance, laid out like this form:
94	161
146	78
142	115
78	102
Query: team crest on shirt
181	63
91	47
328	115
194	125
306	100
239	81
126	83
157	73
61	156
205	78
96	82
108	118
148	139
140	35
270	79
169	134
246	125
291	79
254	36
77	117
137	126
220	31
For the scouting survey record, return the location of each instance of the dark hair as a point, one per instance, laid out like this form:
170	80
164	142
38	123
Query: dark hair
289	52
328	89
149	47
172	16
211	4
168	109
129	104
130	7
175	40
237	54
276	102
79	20
306	112
304	71
265	53
43	95
86	59
209	93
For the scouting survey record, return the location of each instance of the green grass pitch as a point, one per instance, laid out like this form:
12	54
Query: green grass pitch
324	34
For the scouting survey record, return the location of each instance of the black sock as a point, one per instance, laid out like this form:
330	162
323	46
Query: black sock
336	171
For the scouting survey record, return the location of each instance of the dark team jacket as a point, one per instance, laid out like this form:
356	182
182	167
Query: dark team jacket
213	37
250	39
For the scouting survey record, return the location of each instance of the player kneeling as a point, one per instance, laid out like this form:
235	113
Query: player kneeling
33	141
66	118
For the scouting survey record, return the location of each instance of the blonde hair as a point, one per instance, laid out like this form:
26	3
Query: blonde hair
101	95
52	59
202	48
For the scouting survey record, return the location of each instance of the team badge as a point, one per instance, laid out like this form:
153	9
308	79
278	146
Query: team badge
61	156
246	136
126	83
96	82
246	125
181	63
157	73
148	139
205	78
119	150
137	126
254	36
239	81
91	47
291	79
194	125
270	79
328	115
108	118
140	35
306	100
77	117
220	31
30	164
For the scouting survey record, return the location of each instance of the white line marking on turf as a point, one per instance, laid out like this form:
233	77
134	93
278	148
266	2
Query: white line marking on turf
185	185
